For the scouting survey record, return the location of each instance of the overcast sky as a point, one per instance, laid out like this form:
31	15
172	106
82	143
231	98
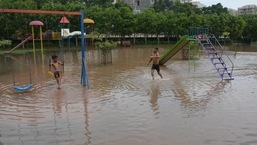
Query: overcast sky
228	3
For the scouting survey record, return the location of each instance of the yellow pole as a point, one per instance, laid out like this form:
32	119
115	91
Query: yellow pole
33	41
41	41
34	51
42	51
92	30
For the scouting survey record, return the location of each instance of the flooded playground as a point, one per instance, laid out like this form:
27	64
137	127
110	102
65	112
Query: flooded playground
124	106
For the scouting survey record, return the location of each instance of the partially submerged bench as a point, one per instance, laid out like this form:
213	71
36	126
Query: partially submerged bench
126	43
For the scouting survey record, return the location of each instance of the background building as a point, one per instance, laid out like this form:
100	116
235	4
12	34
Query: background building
232	12
140	5
198	4
184	1
247	9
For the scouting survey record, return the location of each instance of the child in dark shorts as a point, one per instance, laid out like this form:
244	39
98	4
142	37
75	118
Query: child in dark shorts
155	58
56	68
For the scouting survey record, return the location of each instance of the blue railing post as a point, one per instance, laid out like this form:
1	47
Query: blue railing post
84	77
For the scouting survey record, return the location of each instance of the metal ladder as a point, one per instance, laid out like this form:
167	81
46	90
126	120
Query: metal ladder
220	60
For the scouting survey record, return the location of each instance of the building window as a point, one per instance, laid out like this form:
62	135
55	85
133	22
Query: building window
138	2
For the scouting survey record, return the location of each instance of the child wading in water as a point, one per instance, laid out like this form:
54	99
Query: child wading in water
155	58
56	69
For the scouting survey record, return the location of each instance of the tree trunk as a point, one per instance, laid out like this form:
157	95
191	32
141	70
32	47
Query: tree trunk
76	41
105	59
134	39
111	56
23	46
145	38
158	39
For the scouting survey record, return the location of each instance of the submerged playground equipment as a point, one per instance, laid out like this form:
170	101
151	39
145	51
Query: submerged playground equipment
84	76
212	48
17	46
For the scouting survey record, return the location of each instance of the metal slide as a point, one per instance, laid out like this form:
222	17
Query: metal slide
174	49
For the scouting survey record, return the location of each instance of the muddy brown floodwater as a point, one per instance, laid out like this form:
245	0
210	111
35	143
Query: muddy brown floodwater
124	106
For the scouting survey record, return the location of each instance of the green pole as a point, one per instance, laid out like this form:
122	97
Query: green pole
195	47
189	49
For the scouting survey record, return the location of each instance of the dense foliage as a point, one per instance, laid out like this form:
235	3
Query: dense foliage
4	43
164	18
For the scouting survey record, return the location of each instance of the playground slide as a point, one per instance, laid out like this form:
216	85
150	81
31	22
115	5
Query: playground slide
74	33
174	50
24	41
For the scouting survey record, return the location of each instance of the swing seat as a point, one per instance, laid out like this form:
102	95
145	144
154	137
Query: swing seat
26	88
51	74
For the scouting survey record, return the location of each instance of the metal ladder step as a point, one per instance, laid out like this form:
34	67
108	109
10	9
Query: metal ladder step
216	53
224	68
215	58
209	48
218	63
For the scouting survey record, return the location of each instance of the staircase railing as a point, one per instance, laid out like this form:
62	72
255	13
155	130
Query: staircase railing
222	53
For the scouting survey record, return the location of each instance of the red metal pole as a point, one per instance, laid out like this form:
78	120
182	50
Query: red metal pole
39	12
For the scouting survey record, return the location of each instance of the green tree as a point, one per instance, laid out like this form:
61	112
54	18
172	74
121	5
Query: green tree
186	8
181	24
159	27
216	24
103	3
215	9
4	43
162	5
16	25
122	19
101	16
105	46
169	24
147	21
250	30
236	26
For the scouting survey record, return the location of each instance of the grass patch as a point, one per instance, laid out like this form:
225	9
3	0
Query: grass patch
20	51
27	51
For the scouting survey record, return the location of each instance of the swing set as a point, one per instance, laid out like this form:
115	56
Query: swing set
84	77
63	21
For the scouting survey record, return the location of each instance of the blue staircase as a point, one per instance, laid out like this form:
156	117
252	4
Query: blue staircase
216	53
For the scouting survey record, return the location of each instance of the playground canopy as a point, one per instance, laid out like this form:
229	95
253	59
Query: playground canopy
36	23
88	21
64	20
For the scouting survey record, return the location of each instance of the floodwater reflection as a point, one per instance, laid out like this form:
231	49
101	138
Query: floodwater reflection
155	92
124	106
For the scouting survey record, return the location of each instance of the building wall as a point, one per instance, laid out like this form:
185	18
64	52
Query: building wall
140	5
184	1
248	9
